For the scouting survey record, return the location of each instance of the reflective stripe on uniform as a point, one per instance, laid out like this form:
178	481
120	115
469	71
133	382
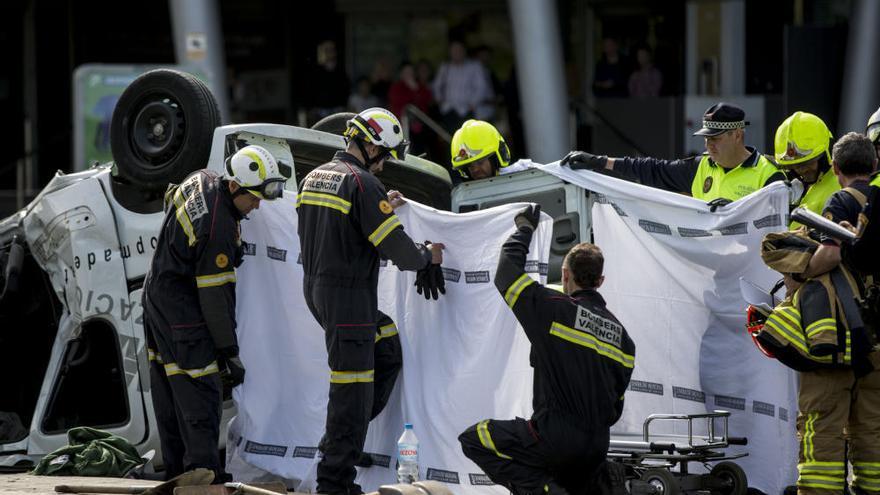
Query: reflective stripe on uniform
486	438
183	217
586	340
215	280
325	200
512	293
866	483
809	432
154	356
384	229
822	468
386	331
818	326
172	369
866	475
351	376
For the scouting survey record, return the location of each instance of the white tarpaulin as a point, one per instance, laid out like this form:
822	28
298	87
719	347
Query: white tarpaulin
672	278
465	357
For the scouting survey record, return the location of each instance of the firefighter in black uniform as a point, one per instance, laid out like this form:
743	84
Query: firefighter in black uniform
584	358
346	223
189	303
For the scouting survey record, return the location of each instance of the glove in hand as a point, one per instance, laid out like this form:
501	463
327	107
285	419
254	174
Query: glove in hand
430	281
528	217
581	160
232	374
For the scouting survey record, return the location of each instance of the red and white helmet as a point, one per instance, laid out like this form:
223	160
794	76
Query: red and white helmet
380	127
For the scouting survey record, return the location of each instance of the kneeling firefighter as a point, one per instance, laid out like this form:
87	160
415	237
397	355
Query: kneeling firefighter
817	330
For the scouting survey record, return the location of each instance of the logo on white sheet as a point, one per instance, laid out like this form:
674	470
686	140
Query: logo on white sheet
324	181
602	328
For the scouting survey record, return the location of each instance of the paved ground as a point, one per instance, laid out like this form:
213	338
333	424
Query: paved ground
25	484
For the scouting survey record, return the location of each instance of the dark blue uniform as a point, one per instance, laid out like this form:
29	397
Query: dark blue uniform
189	314
583	360
345	225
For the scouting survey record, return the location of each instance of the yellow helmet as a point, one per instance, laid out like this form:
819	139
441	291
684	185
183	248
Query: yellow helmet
800	138
474	141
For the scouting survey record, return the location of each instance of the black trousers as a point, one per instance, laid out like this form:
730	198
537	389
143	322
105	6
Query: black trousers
363	352
535	456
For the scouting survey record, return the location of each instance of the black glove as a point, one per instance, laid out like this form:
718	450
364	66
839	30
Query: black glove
232	371
528	217
581	160
430	281
717	203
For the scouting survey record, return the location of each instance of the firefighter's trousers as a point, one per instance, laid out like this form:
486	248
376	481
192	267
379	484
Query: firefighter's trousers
364	355
187	401
835	409
531	457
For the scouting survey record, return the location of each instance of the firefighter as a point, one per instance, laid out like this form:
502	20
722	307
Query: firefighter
817	330
862	255
853	161
803	149
729	170
189	303
478	150
585	359
346	223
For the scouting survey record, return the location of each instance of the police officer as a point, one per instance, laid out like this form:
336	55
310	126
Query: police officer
189	303
346	223
478	150
803	149
584	357
817	331
729	170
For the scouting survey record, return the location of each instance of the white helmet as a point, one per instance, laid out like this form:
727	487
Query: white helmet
380	127
258	172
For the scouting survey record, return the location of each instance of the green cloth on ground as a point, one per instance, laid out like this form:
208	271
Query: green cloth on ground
90	452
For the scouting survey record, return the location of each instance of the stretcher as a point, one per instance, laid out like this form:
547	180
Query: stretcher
659	464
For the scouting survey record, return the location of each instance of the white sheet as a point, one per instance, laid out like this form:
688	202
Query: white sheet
672	277
465	356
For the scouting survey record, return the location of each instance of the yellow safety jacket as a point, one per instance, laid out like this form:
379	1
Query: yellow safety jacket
713	181
817	195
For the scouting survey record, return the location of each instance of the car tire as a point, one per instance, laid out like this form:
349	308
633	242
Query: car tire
334	124
162	128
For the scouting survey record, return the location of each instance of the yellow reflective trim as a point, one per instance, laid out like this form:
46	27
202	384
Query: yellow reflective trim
586	340
384	229
386	331
811	483
351	376
809	431
154	356
172	369
183	217
516	288
486	439
215	280
863	463
819	468
820	326
259	161
325	200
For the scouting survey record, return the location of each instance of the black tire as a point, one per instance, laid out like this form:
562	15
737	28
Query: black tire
334	124
663	481
733	476
162	128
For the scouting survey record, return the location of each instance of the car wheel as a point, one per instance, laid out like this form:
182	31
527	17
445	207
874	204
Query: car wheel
334	124
162	128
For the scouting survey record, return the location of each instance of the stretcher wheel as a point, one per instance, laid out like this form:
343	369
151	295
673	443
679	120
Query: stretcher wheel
663	481
733	476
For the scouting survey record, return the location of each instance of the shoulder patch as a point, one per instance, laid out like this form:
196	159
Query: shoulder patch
195	203
385	207
323	181
222	261
707	184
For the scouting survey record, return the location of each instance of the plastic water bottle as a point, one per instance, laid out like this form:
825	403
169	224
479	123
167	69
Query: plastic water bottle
407	456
